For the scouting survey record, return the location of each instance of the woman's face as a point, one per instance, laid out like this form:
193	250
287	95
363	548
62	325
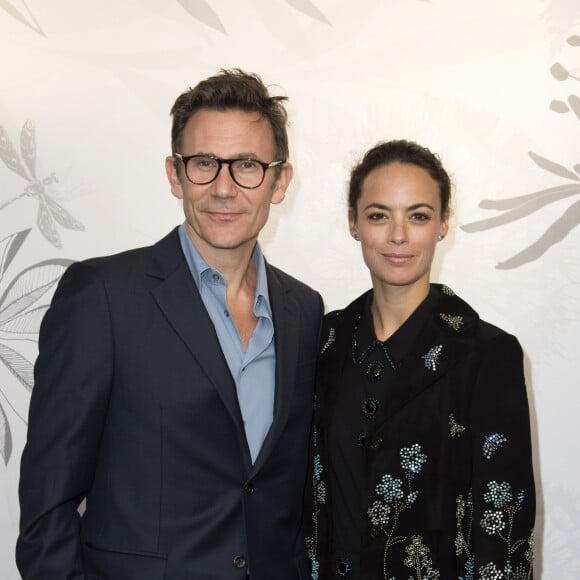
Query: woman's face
398	223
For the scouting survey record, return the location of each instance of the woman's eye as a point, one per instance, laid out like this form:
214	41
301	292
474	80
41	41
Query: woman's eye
420	217
374	217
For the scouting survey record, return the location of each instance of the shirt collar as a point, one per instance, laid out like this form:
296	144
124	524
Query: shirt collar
200	270
401	342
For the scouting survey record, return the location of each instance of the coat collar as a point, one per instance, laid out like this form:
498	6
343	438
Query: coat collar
178	297
440	344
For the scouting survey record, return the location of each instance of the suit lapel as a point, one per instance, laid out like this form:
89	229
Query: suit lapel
177	296
286	315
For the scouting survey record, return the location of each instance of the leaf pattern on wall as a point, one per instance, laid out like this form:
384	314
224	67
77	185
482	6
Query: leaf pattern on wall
29	20
20	318
518	207
18	365
202	11
308	8
26	323
9	246
5	437
29	286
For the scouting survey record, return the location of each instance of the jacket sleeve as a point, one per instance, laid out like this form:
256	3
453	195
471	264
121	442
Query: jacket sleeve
496	519
67	411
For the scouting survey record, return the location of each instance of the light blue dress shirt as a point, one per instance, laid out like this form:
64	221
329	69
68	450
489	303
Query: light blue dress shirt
253	369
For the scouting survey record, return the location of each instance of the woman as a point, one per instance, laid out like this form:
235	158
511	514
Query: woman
421	450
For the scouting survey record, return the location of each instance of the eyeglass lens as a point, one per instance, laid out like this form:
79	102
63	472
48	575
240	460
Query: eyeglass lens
245	172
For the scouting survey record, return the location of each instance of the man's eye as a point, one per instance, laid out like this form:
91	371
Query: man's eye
203	162
247	165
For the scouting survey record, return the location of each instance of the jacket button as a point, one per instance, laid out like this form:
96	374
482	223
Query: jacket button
249	489
239	562
370	407
377	443
344	568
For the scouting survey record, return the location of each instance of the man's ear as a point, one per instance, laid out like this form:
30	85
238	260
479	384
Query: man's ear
282	183
173	177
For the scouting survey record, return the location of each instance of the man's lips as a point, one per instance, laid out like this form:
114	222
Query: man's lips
223	216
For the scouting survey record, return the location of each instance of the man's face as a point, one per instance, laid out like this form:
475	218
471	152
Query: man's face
221	215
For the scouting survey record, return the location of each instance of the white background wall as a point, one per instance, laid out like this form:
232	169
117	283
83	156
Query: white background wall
478	82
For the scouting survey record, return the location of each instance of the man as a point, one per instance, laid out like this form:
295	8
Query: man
174	383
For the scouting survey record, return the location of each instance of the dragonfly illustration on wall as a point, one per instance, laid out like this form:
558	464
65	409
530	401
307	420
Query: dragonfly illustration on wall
519	207
50	213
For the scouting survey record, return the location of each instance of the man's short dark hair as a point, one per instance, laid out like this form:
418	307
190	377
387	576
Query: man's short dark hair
232	89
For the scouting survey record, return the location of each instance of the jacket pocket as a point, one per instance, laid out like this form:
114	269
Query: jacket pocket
105	564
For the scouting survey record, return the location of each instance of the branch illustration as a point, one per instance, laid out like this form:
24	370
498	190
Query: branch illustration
528	207
553	235
516	208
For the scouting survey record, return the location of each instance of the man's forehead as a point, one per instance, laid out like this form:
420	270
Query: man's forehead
232	127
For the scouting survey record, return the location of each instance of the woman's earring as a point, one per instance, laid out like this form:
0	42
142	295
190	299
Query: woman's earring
440	237
355	236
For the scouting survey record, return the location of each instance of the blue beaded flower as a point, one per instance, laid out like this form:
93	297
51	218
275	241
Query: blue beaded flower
412	459
390	488
499	494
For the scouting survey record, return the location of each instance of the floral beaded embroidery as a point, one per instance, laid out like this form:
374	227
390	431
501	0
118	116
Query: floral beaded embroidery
418	559
431	357
455	429
446	290
394	498
455	322
492	444
496	521
329	341
319	491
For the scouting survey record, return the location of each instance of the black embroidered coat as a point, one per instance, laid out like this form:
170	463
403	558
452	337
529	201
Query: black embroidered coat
448	489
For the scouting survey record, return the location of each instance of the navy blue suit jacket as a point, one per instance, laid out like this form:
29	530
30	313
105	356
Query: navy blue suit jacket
134	409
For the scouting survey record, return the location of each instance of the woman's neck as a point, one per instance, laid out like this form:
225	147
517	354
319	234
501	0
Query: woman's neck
392	305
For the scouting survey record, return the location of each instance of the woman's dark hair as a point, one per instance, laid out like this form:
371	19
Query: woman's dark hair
399	151
229	90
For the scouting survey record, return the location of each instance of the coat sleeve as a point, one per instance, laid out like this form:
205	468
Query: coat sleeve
68	406
496	519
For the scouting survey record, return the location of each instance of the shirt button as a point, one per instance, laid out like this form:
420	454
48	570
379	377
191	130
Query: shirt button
215	277
249	489
239	562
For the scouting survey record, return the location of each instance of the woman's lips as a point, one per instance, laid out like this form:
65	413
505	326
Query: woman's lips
398	258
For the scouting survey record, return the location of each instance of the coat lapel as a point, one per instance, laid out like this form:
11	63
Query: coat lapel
177	296
440	344
286	315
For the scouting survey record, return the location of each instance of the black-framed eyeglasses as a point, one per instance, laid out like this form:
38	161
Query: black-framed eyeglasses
246	172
